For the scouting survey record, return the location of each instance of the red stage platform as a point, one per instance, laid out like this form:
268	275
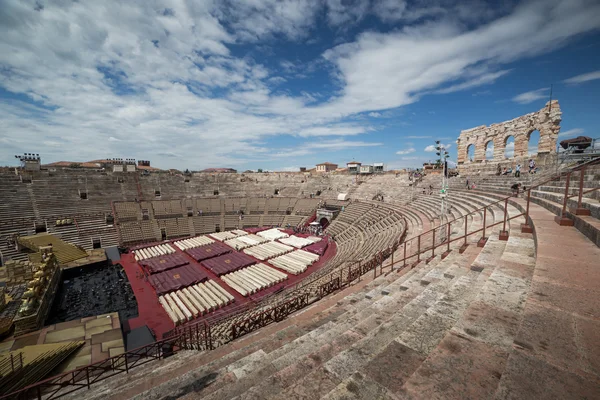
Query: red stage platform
151	312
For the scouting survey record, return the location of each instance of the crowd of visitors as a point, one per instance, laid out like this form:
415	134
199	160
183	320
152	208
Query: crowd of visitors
517	171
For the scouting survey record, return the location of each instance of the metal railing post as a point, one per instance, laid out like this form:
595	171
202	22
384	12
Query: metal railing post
526	228
419	248
433	245
466	223
448	237
566	199
562	218
392	258
581	173
404	261
482	241
504	233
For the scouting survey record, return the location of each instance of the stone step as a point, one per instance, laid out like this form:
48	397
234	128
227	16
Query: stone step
282	358
373	331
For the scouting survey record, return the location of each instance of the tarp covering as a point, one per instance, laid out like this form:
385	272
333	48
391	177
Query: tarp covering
208	251
177	278
318	248
273	234
163	263
580	142
342	196
228	263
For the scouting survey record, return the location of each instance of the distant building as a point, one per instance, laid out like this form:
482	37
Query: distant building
326	167
366	169
302	169
30	161
378	168
353	167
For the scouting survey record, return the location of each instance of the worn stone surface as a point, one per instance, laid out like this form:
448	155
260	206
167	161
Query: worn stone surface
459	368
527	377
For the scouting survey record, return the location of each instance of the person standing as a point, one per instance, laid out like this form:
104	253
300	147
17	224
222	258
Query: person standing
531	165
468	186
518	171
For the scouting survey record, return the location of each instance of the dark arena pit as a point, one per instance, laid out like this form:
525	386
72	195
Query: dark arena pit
93	290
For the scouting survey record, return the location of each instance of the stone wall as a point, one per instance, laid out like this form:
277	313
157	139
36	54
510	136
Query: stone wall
546	121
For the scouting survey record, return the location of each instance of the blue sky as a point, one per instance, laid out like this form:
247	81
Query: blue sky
282	84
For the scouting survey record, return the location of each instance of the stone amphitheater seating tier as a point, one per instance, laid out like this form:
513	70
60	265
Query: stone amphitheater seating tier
491	322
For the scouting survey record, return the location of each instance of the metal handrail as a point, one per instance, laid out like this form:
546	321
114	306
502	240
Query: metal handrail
83	377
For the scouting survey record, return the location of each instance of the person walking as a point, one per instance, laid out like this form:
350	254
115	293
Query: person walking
468	186
518	171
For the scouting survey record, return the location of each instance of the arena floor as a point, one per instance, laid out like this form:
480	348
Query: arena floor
151	313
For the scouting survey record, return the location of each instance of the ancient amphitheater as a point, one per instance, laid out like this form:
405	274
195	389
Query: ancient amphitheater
496	298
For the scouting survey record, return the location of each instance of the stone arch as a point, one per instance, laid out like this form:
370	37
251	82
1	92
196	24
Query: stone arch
509	143
489	150
546	121
533	142
470	153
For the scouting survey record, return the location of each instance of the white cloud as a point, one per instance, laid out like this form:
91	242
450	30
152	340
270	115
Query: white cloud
531	96
374	114
389	10
418	137
407	151
431	148
166	78
509	149
590	76
346	12
571	132
483	79
333	130
113	139
254	20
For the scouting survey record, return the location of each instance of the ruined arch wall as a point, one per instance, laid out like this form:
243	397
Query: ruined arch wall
546	121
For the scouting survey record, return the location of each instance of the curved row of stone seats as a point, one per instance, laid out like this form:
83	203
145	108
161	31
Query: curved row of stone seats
268	250
16	199
205	224
249	280
139	231
550	195
85	231
153	251
273	220
193	301
193	242
174	227
127	211
167	208
305	206
295	262
354	212
62	194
